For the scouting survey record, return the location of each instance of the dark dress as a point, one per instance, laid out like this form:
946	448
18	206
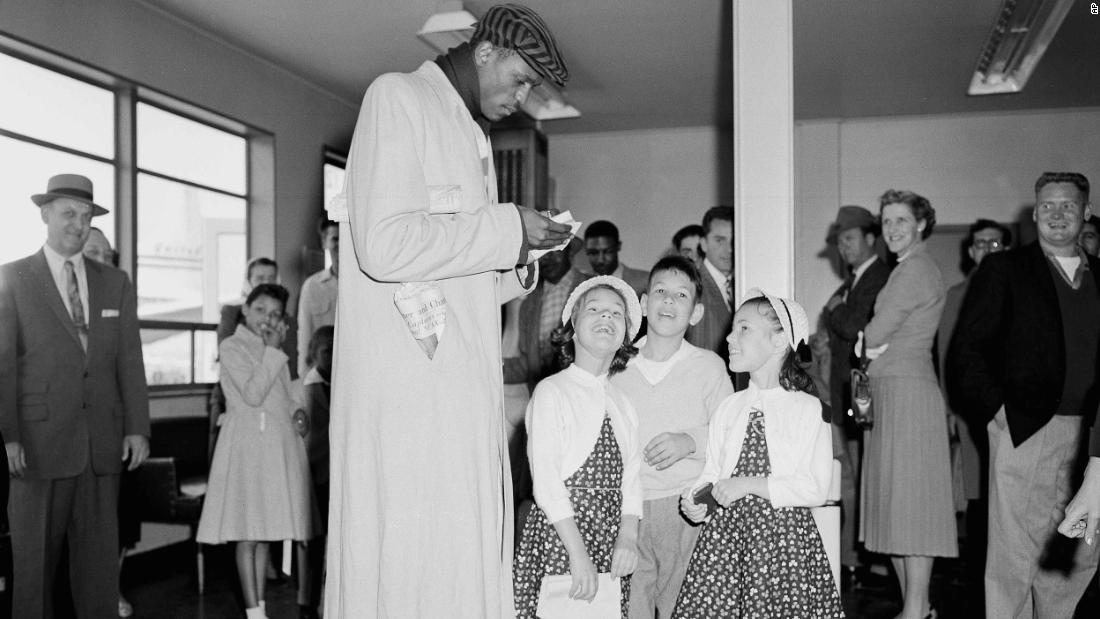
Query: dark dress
753	560
595	492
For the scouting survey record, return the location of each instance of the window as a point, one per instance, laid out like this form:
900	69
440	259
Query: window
187	193
192	202
50	123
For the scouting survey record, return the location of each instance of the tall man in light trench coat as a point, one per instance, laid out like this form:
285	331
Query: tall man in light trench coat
420	521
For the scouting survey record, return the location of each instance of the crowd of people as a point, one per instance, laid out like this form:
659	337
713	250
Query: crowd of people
377	425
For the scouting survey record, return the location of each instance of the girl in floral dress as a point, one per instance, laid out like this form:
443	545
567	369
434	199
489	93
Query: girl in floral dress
585	461
769	459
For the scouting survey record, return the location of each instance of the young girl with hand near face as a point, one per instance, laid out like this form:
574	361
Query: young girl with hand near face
585	461
769	459
259	479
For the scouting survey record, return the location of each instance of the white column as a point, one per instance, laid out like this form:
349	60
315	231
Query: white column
763	151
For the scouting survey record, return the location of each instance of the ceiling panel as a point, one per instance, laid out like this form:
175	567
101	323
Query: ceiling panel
648	63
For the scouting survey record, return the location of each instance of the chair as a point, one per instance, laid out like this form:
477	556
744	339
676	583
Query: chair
171	484
163	501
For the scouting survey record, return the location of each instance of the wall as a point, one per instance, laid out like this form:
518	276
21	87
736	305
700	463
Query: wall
967	165
649	183
139	43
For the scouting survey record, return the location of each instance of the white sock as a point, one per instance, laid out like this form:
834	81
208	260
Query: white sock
255	612
263	607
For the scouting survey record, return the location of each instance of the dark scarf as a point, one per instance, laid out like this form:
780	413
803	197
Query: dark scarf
458	65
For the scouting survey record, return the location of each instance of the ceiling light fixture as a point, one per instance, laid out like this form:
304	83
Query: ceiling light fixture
1020	36
453	25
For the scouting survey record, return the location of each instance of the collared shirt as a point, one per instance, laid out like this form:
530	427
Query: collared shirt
316	308
861	269
800	444
720	278
554	296
56	262
1062	264
564	420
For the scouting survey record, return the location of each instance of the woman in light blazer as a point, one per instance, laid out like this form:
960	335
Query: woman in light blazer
907	506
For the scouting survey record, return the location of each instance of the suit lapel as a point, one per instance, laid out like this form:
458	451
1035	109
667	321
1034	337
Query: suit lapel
94	275
1042	275
40	273
714	288
862	281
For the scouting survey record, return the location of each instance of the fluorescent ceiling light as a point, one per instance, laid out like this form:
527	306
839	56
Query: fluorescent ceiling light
1020	36
453	25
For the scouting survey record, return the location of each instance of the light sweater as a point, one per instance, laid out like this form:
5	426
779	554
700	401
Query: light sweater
800	444
680	394
564	419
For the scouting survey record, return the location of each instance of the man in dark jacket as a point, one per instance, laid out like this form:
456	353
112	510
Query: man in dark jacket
1023	361
849	310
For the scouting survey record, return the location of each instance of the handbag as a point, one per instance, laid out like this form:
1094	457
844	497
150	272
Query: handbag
555	603
862	410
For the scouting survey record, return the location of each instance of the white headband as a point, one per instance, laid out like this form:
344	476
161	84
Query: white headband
792	317
633	307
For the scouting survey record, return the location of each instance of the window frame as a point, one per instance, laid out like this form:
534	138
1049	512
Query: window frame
127	93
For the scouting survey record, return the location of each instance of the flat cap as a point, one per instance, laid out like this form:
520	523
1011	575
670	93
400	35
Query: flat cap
513	26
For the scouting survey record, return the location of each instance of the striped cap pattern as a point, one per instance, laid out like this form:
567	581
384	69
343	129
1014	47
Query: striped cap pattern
513	26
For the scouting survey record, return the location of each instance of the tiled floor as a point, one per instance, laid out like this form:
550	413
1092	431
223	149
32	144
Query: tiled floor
162	586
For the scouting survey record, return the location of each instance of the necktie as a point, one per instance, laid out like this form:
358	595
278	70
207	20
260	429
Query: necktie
729	290
73	289
848	283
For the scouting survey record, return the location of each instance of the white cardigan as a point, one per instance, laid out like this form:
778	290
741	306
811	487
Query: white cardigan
564	419
800	444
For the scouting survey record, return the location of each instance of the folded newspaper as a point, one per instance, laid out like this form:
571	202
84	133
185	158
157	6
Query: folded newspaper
424	309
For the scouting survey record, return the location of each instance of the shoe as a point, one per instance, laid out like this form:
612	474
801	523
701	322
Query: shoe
307	612
932	614
125	608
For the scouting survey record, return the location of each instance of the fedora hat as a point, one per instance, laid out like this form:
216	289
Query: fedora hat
849	217
72	186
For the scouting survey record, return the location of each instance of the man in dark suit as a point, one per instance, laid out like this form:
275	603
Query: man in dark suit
849	310
1023	361
717	278
73	406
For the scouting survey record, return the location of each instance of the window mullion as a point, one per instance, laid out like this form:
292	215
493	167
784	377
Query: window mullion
126	178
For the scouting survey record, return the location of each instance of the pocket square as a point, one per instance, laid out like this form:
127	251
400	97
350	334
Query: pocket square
109	313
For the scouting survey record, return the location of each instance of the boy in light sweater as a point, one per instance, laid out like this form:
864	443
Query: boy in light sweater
675	388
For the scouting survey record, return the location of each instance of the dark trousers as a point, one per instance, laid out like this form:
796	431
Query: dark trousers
316	549
44	513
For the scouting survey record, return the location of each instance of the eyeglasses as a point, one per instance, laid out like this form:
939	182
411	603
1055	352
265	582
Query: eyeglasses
989	245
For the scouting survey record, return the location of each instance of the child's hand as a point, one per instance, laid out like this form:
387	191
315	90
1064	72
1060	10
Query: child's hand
727	491
694	511
668	448
273	334
584	579
624	557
